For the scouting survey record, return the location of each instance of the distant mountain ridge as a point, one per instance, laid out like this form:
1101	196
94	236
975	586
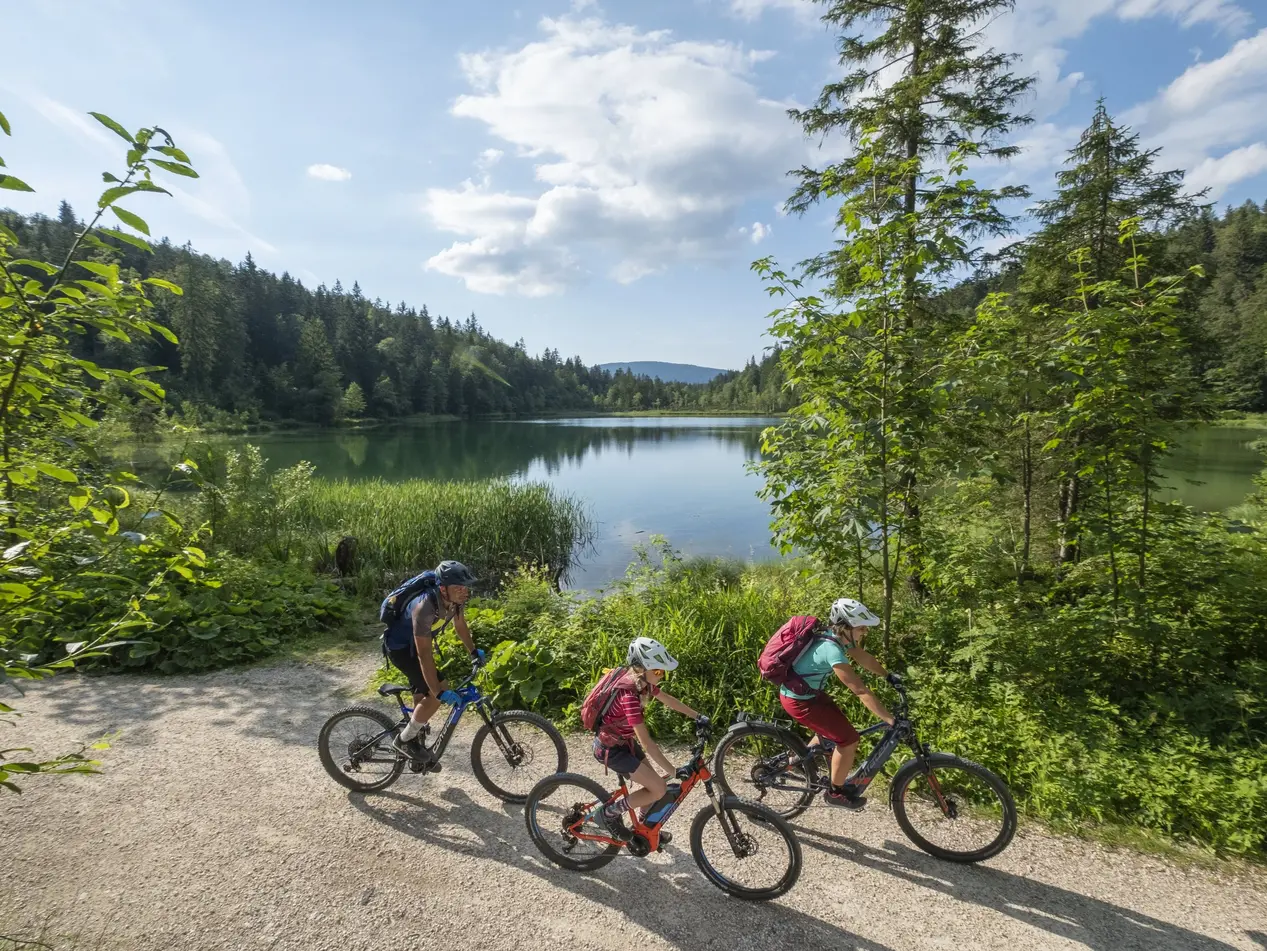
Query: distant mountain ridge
668	372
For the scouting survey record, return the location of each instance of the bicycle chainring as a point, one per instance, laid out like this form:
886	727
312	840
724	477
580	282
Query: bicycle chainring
638	845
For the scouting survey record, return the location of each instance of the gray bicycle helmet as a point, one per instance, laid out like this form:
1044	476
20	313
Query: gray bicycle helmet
454	572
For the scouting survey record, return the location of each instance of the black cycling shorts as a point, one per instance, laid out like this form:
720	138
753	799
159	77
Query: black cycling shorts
406	661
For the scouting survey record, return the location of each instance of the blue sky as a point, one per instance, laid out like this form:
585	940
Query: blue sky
591	176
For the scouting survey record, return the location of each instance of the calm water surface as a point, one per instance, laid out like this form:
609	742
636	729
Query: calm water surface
682	477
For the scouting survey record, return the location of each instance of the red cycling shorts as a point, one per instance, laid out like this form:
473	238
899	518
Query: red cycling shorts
821	715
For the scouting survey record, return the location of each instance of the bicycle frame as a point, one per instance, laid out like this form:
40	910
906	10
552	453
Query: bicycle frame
469	695
646	838
902	730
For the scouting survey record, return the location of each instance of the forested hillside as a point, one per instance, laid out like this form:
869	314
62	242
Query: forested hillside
262	346
267	347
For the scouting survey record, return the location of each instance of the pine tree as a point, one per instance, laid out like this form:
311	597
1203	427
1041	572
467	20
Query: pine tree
919	99
1107	179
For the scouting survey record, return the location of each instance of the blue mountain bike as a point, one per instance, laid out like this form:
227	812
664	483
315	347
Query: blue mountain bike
511	752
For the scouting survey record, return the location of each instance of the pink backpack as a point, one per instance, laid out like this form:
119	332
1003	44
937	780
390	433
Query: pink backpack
599	700
782	650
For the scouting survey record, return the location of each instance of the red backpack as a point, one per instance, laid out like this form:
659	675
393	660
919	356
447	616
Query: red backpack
782	650
602	696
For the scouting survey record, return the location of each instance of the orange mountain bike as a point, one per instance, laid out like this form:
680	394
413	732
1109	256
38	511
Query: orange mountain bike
741	847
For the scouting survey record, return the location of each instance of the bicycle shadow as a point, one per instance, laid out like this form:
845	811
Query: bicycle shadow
678	905
1089	922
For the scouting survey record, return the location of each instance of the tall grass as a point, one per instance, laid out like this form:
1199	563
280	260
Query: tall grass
404	527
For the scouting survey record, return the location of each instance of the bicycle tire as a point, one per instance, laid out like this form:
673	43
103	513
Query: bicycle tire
900	786
486	731
790	741
337	773
541	837
765	817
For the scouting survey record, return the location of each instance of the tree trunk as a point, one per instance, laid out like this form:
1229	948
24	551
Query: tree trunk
1069	499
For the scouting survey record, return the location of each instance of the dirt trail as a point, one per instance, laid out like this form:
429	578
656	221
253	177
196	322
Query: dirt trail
214	826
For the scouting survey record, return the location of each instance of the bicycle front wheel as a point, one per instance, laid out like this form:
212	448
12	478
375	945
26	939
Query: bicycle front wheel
355	749
767	765
516	751
556	816
747	851
955	809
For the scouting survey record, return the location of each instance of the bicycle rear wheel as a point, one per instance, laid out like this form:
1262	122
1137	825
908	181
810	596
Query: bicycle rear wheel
956	810
516	751
752	762
355	749
555	814
748	851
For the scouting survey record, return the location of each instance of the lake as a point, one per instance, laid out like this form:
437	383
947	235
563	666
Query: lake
682	477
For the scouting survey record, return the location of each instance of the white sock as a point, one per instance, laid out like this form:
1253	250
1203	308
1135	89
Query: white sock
409	732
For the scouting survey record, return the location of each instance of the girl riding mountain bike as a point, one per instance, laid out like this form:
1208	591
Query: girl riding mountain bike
623	742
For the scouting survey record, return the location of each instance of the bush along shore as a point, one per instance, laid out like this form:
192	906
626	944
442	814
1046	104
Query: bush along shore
1072	711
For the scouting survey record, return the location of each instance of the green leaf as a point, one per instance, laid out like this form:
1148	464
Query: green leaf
165	285
56	472
111	195
14	184
108	177
139	243
174	152
176	169
134	221
109	271
4	125
113	126
79	498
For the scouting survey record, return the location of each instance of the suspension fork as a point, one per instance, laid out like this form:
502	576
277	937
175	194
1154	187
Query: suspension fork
921	756
489	713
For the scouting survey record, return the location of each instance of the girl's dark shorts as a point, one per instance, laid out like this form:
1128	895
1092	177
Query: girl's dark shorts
619	759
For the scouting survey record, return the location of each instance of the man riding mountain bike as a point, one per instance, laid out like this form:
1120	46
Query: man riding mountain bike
408	645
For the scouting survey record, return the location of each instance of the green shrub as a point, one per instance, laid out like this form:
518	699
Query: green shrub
230	612
1056	695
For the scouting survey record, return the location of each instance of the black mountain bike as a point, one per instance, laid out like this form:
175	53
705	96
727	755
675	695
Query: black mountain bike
950	807
510	753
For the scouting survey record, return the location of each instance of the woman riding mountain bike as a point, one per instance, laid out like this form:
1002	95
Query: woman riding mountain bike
830	652
623	742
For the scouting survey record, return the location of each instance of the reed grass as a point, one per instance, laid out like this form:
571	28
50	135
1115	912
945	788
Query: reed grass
404	527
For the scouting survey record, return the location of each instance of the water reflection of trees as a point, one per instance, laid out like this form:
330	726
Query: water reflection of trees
482	450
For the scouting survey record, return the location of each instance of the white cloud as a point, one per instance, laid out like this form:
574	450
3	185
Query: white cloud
644	149
328	173
489	157
759	232
1218	173
753	9
1223	14
1212	119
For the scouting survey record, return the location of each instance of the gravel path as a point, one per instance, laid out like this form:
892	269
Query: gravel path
214	826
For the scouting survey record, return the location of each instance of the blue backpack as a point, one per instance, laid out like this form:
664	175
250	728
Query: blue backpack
390	610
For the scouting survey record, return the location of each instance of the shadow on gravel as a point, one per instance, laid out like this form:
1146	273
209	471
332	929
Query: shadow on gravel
286	703
1258	937
674	901
1088	921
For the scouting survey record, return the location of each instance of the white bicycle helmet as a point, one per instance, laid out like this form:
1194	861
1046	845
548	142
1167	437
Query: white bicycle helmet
649	654
853	613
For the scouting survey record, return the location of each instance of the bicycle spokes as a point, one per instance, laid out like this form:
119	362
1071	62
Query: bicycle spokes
744	850
953	809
